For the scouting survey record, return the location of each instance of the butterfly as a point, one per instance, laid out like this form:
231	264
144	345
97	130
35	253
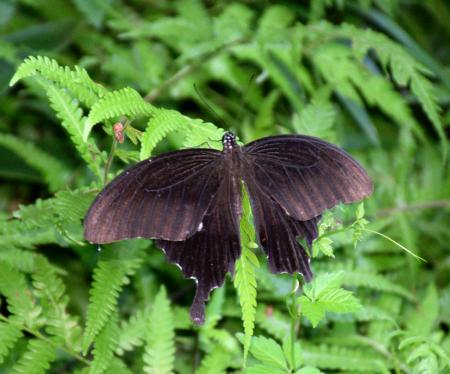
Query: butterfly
189	201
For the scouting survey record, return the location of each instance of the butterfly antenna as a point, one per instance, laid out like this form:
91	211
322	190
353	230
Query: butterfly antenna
244	97
218	118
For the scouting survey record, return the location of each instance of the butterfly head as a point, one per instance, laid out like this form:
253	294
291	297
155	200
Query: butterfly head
229	141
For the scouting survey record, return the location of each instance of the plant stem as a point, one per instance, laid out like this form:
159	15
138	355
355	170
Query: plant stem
294	318
109	161
112	151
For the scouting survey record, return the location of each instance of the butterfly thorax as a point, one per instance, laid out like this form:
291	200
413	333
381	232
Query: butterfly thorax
229	142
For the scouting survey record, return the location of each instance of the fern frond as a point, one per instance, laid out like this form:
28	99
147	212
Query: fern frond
17	258
72	119
215	362
159	354
338	66
109	277
405	69
53	171
333	358
245	278
77	81
123	102
197	133
20	301
13	234
276	323
62	213
104	345
132	332
53	299
317	119
374	281
36	359
203	134
162	123
9	334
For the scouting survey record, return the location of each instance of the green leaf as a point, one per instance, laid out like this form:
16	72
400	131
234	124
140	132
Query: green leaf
316	119
215	362
160	124
123	102
324	295
426	314
159	354
104	345
54	301
335	357
111	274
268	351
245	278
72	119
20	301
263	369
53	171
77	81
9	334
308	370
36	359
132	332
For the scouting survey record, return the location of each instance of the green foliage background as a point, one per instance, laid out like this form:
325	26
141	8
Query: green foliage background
371	76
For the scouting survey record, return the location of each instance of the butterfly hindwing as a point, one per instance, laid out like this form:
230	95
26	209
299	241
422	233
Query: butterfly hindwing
163	197
278	233
213	250
306	175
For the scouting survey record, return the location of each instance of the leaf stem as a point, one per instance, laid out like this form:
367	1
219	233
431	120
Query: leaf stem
112	151
396	243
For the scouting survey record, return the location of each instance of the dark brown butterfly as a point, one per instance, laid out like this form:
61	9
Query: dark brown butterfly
190	202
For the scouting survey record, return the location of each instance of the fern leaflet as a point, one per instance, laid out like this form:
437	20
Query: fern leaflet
104	345
77	81
72	120
245	278
109	277
21	303
51	290
159	354
36	359
54	172
215	362
132	332
123	102
333	358
9	335
163	122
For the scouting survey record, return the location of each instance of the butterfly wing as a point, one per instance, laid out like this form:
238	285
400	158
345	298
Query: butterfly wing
306	175
278	232
163	197
212	251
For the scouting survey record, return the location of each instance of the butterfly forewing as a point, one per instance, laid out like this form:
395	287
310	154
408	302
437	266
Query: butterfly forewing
163	197
212	251
306	175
